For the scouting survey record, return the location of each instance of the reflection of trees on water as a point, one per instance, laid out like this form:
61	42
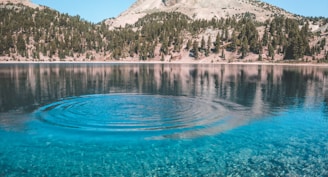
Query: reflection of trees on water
27	86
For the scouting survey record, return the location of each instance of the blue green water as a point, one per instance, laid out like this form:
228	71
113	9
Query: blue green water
79	120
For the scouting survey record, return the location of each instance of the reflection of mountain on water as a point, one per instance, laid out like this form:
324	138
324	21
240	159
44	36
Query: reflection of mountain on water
257	87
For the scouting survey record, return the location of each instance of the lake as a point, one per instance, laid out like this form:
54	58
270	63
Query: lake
163	120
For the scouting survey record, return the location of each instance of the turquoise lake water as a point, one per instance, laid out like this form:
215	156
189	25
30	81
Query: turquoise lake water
163	120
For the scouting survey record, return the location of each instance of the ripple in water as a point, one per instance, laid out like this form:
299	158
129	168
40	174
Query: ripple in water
151	116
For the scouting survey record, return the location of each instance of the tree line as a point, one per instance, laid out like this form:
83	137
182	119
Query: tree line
32	33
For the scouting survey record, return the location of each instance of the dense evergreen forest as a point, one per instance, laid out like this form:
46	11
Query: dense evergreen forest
45	34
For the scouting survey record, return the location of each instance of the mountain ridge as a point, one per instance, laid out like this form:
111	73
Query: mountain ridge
44	34
23	2
199	9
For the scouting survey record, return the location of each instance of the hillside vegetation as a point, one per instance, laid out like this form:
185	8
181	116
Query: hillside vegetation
47	35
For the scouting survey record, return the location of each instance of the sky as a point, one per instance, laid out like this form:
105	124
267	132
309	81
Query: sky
97	10
91	10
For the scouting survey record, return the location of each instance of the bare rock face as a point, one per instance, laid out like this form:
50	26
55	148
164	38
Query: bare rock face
15	1
24	2
170	2
199	9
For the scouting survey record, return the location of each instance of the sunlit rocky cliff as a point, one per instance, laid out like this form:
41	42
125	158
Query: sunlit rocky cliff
199	9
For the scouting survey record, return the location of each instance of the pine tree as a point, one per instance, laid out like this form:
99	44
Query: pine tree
271	51
164	48
188	46
226	34
260	57
195	49
2	45
233	45
21	45
202	44
222	54
217	43
244	48
209	46
265	38
323	43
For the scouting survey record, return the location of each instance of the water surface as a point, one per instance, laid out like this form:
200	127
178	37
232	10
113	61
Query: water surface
163	120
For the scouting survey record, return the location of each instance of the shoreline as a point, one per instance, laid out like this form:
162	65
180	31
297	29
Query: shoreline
199	62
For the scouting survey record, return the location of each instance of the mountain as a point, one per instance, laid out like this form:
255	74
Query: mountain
28	33
164	30
199	9
27	3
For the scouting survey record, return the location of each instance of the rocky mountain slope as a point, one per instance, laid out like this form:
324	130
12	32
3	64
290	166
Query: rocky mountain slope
27	3
164	30
199	9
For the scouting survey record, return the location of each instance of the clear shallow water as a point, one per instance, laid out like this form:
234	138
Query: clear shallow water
154	120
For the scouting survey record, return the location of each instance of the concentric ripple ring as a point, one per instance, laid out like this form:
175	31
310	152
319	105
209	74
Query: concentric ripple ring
160	116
